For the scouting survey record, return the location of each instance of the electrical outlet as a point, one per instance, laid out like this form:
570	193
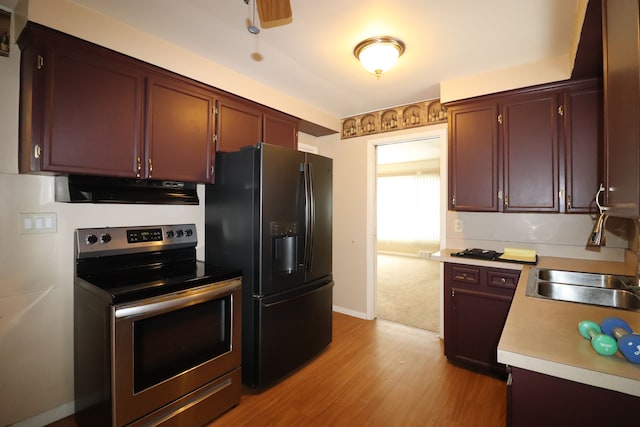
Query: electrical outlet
35	223
457	226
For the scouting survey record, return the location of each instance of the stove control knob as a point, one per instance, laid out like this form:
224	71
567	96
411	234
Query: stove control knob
105	238
91	239
170	234
179	233
188	232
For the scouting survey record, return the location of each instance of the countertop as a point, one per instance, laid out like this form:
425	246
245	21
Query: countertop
542	335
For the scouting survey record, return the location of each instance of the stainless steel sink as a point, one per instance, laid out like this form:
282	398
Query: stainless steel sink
586	288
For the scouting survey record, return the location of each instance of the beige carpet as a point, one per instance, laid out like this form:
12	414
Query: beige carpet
408	291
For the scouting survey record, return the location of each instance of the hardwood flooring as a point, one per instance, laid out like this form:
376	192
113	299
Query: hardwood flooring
374	373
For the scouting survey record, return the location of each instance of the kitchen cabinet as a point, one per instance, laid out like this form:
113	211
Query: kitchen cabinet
280	129
473	157
535	399
179	134
81	108
88	110
242	124
621	67
477	301
514	152
239	124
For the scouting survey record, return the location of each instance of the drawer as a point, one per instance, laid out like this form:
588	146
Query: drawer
468	275
502	278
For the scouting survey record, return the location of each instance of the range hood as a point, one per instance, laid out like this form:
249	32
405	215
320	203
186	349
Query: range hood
95	189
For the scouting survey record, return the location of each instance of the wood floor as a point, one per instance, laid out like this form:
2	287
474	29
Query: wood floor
374	373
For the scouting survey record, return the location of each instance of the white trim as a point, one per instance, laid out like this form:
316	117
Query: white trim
348	312
436	131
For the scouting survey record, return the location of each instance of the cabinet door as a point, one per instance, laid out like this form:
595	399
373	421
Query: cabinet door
92	113
280	129
530	140
473	158
622	105
477	322
179	136
583	138
239	125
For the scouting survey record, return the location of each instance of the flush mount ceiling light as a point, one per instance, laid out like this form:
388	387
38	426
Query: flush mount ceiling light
379	54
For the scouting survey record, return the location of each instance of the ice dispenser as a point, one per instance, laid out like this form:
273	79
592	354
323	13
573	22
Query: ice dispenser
284	235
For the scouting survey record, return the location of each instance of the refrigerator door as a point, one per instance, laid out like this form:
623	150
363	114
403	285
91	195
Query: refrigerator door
293	330
319	205
281	220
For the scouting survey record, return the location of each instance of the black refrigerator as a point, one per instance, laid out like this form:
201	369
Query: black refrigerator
269	214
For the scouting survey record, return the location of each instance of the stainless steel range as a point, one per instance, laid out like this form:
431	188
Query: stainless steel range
157	333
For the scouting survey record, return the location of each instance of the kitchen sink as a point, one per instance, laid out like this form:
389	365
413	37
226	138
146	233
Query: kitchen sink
607	290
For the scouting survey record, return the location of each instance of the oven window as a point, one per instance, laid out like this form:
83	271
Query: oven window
171	343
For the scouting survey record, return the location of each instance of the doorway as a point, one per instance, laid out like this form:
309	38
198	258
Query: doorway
408	223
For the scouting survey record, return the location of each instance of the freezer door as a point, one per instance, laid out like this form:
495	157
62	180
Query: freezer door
290	332
320	208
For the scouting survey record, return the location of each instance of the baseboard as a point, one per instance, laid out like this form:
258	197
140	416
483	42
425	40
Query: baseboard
48	417
348	312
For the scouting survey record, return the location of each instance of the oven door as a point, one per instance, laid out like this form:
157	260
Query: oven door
168	346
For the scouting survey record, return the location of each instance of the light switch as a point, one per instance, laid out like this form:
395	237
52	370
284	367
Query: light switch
33	223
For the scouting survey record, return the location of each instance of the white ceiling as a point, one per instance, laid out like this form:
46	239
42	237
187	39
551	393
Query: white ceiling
312	58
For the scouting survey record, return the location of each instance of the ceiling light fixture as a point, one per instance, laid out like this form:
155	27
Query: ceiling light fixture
379	54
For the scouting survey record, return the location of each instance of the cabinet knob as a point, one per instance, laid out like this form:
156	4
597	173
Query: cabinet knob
150	168
139	167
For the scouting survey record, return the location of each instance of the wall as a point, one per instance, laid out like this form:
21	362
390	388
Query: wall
36	280
354	236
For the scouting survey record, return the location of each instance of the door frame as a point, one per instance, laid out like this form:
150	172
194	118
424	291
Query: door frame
433	132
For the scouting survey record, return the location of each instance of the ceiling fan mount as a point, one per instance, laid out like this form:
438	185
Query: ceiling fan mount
272	13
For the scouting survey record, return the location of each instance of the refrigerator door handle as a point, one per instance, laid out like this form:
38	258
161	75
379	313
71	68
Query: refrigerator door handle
310	214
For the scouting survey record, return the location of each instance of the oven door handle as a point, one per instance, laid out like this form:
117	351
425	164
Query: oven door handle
173	301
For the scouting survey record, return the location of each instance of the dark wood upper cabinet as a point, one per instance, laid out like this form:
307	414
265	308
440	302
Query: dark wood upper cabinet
621	61
242	124
85	109
179	135
530	143
239	124
280	129
473	157
584	143
530	150
81	112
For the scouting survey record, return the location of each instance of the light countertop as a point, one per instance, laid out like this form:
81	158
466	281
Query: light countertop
542	335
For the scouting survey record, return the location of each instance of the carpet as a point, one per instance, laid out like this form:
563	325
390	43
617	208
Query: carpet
408	291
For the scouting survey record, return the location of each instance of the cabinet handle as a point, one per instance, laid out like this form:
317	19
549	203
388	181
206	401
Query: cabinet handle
139	167
569	202
37	151
506	201
40	62
150	168
453	201
561	110
453	293
500	118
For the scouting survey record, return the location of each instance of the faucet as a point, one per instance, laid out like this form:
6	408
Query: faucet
597	236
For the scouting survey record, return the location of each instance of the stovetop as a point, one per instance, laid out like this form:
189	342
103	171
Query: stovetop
132	263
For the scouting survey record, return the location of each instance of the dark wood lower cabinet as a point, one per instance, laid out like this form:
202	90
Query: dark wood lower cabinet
535	399
477	301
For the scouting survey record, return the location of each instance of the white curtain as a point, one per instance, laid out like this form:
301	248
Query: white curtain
408	209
